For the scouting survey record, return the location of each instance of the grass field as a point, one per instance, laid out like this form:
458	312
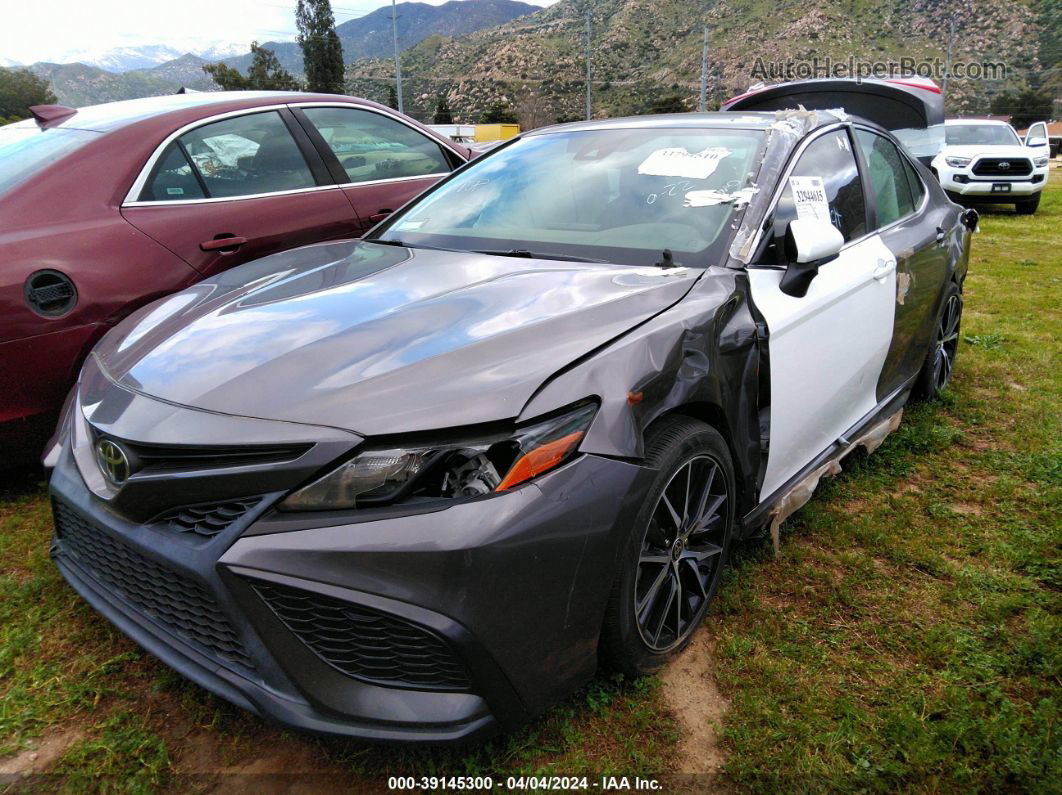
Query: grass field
908	636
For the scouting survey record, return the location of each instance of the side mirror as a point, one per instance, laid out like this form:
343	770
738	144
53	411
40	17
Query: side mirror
1036	142
809	244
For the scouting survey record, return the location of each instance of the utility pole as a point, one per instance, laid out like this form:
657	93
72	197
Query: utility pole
398	60
704	73
947	61
589	101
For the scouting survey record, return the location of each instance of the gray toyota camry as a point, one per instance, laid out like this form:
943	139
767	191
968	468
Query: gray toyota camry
415	487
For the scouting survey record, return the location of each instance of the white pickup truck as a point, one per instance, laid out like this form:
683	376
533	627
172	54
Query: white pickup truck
986	161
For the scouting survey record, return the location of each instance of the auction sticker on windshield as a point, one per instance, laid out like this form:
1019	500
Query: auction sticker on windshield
677	162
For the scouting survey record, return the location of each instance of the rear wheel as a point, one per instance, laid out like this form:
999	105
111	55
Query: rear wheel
940	361
1028	206
675	554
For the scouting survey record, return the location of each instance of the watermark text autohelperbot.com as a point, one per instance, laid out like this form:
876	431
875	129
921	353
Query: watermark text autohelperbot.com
934	69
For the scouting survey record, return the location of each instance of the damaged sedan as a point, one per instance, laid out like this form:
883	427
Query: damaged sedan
415	487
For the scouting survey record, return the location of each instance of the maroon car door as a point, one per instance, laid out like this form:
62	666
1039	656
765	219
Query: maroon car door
381	161
239	188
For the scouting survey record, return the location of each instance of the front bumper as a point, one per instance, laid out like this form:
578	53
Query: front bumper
963	182
513	588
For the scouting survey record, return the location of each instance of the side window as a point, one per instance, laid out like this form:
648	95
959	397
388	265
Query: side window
830	158
173	179
918	188
370	146
241	156
888	178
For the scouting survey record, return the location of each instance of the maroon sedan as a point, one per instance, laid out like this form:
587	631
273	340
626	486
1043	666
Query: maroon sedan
108	207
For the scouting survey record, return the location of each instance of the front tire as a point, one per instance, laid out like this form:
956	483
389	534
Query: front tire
674	556
940	361
1028	206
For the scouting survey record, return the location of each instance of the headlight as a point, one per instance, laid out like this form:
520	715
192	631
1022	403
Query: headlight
447	470
1040	162
957	162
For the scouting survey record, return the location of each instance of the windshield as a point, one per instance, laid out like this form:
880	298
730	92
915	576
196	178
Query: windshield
974	134
616	195
25	149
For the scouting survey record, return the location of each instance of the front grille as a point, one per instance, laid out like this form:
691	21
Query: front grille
1003	167
366	644
176	602
166	458
206	521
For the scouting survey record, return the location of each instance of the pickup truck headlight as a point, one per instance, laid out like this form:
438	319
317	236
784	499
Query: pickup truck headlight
450	470
957	162
1041	161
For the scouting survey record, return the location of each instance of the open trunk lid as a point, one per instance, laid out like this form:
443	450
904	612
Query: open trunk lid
911	108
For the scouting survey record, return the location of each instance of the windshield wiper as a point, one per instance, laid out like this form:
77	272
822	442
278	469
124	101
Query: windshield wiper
403	244
523	252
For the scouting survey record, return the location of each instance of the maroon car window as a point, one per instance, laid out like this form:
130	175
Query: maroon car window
173	178
243	156
371	146
888	180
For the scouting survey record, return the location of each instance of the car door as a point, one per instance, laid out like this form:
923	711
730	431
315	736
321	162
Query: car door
827	348
238	188
1037	140
381	161
918	234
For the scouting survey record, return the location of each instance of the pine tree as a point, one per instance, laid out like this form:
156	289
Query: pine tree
392	97
442	111
264	74
498	113
322	52
20	89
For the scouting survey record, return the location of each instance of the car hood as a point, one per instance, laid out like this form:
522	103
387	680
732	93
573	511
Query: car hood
986	150
380	339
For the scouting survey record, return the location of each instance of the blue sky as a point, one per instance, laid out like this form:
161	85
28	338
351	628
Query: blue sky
66	30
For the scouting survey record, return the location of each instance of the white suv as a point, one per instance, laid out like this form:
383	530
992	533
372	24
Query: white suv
985	161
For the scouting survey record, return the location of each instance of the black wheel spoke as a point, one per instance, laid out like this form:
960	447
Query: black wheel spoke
664	613
645	605
675	518
708	551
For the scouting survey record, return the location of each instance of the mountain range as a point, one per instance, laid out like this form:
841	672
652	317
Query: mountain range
480	52
370	36
645	49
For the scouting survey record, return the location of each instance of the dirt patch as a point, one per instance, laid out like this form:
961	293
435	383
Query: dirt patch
691	692
40	757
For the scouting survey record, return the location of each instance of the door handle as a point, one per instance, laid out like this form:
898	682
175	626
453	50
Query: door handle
885	267
379	215
942	233
223	244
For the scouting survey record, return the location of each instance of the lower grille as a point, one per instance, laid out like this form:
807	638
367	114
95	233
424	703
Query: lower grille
1002	167
175	601
206	521
366	644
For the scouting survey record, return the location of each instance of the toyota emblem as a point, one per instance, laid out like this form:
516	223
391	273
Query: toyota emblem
1004	166
112	461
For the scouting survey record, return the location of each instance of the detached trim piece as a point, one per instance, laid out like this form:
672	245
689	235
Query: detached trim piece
800	492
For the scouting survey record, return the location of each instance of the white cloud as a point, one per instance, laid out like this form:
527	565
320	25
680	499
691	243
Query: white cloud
62	30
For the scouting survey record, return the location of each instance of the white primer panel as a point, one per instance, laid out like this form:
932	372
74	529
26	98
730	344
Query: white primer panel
827	351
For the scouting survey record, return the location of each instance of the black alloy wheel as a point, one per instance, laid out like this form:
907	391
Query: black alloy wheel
940	363
676	550
681	553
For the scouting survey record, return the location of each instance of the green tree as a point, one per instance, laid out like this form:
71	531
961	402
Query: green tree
442	111
498	113
668	104
392	97
20	89
322	52
1024	107
264	74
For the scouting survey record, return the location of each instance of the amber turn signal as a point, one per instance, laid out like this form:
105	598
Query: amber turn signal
539	460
